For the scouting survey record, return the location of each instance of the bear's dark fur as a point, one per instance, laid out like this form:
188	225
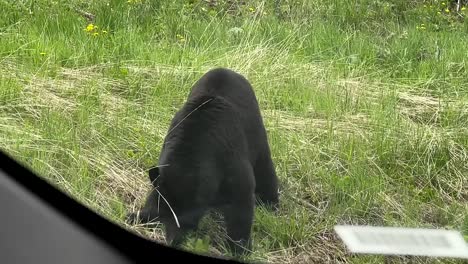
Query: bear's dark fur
215	155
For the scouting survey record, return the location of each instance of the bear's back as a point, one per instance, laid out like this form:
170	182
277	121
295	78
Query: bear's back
229	85
237	91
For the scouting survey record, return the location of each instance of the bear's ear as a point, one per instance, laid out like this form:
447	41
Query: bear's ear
153	175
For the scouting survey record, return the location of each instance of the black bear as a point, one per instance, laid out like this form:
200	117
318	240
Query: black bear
215	156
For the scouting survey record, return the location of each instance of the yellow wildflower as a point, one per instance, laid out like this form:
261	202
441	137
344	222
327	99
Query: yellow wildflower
89	27
180	37
422	26
42	53
251	9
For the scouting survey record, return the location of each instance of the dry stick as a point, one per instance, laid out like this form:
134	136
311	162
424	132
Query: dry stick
175	216
90	17
304	203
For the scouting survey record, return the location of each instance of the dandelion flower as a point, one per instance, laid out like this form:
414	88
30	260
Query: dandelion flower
180	37
89	27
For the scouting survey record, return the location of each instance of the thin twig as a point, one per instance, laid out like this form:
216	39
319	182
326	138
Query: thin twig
173	213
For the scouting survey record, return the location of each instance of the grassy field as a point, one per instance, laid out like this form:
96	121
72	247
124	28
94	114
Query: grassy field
365	104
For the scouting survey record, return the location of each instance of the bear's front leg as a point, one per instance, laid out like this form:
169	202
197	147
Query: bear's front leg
176	235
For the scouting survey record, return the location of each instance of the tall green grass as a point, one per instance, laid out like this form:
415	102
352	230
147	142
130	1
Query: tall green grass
366	109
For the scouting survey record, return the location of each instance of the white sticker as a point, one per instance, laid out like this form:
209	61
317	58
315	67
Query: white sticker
403	241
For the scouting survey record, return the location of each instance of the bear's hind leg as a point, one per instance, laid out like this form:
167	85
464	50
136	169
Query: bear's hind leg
239	212
266	187
239	218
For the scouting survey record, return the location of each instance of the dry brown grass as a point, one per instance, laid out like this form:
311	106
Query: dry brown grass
120	182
